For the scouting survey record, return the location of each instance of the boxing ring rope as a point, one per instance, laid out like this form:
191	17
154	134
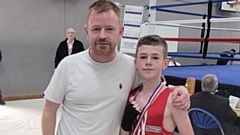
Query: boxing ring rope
188	4
196	21
196	71
198	27
208	20
228	40
200	57
186	13
208	53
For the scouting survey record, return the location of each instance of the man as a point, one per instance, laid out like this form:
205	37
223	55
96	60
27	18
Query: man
173	62
226	54
92	86
67	47
217	105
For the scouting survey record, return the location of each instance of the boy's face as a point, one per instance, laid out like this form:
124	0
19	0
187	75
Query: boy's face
150	61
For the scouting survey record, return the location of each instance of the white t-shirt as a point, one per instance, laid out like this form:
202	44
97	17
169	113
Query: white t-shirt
93	95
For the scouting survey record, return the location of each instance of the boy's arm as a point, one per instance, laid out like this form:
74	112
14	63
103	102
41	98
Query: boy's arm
130	114
123	132
181	120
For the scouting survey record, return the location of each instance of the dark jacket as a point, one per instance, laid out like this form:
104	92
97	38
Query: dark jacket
62	50
224	54
220	108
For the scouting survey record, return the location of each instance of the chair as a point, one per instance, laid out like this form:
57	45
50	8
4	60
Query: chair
190	85
204	119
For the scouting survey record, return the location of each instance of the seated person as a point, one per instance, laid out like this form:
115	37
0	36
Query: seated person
217	105
153	99
229	54
173	62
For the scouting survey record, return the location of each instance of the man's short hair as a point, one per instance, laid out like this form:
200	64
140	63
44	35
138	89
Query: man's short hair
104	5
209	83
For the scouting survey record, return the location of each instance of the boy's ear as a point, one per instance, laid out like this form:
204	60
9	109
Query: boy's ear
135	61
165	63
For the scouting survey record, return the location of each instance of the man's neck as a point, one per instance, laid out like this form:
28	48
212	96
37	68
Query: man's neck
70	40
101	58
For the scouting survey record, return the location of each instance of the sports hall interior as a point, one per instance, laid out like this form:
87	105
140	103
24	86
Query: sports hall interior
32	29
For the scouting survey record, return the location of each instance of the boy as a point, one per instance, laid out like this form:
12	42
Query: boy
153	99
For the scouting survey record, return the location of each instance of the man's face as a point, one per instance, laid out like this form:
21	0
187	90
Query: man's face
150	61
70	34
103	31
174	58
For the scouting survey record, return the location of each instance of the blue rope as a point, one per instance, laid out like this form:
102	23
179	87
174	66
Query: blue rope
187	4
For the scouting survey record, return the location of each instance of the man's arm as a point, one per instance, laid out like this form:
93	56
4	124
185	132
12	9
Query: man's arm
230	115
49	117
180	97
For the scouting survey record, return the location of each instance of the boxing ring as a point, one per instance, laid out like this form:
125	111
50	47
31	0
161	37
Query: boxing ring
228	75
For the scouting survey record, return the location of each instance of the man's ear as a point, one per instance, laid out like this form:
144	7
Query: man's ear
86	31
121	32
135	61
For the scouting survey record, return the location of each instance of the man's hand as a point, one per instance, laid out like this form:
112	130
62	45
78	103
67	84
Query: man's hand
181	99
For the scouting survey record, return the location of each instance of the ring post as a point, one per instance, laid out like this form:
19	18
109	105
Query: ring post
202	34
205	47
152	15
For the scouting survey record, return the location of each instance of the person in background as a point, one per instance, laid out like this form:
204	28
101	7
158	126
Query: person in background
216	105
153	98
1	101
173	62
0	56
92	86
226	54
67	47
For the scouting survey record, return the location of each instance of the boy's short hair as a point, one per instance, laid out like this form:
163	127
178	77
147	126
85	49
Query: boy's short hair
104	5
153	40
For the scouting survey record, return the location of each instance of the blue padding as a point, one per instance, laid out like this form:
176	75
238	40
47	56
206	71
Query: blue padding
186	13
187	4
201	57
